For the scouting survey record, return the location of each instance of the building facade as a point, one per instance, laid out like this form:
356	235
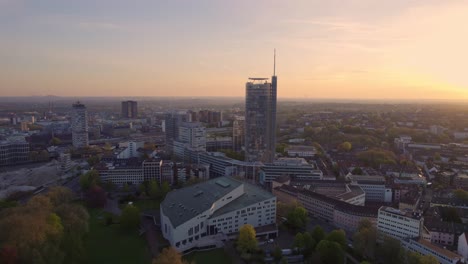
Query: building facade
201	215
260	119
79	125
14	151
399	224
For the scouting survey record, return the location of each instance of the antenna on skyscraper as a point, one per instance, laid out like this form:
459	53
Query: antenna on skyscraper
274	62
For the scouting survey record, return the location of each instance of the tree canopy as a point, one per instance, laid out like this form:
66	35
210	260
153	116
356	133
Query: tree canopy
247	241
169	256
130	218
330	252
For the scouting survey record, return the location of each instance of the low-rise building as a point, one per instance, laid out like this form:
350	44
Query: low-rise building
201	215
461	181
424	247
14	150
295	168
374	187
399	224
301	151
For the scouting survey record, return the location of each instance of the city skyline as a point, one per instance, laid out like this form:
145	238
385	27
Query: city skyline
343	50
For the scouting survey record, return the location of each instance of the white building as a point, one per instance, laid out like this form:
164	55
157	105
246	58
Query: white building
130	149
193	134
79	125
301	151
463	245
200	215
424	247
374	187
399	224
297	168
65	162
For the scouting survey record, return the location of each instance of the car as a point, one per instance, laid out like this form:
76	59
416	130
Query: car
270	240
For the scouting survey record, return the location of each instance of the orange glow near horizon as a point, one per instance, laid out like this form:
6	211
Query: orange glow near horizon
334	49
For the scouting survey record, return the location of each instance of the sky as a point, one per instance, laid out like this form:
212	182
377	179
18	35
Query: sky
344	49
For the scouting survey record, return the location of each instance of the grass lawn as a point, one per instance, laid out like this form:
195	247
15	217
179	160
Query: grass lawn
216	256
110	244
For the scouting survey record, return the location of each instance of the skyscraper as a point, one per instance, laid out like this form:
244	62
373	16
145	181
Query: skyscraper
260	118
172	121
79	125
129	109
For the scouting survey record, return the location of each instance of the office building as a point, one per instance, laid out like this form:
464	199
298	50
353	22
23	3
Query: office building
79	125
172	121
374	187
295	168
260	119
399	224
129	109
13	151
201	215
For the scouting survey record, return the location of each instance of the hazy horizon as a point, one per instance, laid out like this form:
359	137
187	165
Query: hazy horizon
332	50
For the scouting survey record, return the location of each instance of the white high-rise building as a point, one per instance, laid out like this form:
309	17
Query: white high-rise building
79	125
399	224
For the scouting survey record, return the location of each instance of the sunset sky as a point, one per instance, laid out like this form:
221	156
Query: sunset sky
357	49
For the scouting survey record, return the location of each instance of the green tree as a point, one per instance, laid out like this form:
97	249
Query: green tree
365	238
154	191
330	252
165	188
247	242
428	259
338	236
130	218
318	234
277	254
55	141
89	179
297	218
357	171
93	160
309	244
390	251
461	194
299	241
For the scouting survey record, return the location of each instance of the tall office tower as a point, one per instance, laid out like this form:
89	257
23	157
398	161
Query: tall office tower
79	125
238	133
129	109
260	118
172	121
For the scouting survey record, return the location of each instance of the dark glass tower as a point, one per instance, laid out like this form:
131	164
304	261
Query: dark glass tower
260	118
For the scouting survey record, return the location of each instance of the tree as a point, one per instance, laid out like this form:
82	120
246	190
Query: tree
59	195
299	241
153	190
89	179
96	197
338	236
365	238
318	234
130	217
346	146
330	252
247	242
297	218
169	256
461	194
93	160
357	171
277	254
309	244
165	188
390	251
55	141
